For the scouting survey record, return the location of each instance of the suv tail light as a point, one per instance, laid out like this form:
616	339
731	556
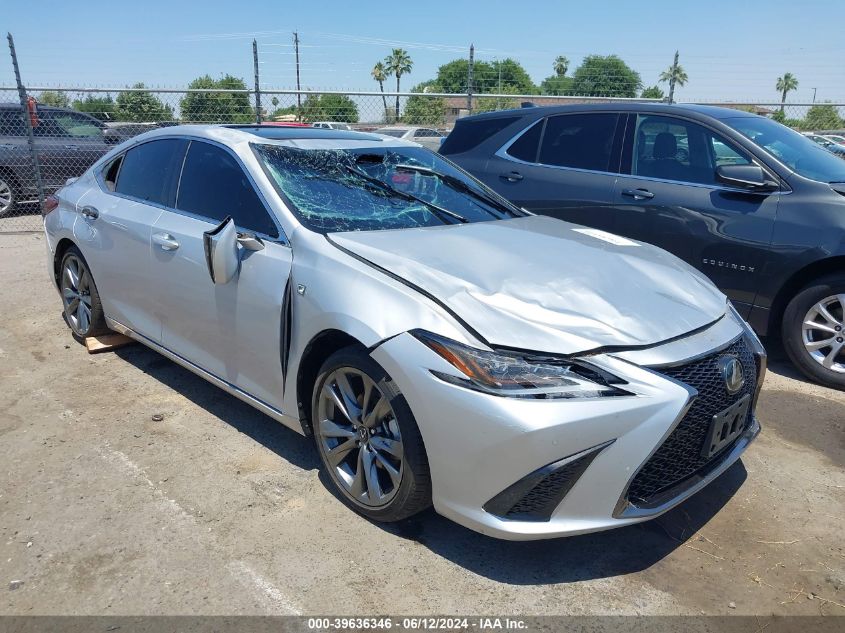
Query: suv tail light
50	203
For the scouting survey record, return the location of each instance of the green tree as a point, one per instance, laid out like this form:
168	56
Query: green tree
421	110
398	63
279	112
556	85
609	76
675	74
489	104
652	92
505	77
823	116
784	86
560	66
379	73
487	77
142	106
216	106
54	98
102	108
329	107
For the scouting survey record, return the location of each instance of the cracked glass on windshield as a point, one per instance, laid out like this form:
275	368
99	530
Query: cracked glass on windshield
377	188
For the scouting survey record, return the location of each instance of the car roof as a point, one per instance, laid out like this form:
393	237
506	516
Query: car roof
716	112
302	137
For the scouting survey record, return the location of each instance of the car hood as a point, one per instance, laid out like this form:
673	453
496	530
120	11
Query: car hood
538	283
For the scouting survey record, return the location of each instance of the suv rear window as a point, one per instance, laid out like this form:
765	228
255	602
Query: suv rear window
470	133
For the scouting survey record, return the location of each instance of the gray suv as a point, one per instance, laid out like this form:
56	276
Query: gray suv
67	142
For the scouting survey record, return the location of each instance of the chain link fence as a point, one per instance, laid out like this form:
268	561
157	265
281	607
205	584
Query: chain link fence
72	127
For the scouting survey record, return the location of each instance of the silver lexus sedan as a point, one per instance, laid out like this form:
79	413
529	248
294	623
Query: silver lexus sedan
527	377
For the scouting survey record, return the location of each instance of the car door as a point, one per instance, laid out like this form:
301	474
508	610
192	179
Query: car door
115	223
231	330
563	166
669	196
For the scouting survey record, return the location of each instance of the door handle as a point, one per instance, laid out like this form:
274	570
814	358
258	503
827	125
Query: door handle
638	194
73	147
90	212
166	241
511	176
6	146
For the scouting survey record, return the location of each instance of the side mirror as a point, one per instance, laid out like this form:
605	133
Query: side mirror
750	177
221	251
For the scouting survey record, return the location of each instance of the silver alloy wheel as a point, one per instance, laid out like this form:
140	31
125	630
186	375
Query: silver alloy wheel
359	437
6	196
76	294
823	333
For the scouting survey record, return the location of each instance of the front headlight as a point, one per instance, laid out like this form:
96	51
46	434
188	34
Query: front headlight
520	375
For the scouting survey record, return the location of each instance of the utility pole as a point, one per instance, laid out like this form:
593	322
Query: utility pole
298	93
25	113
499	99
672	79
469	77
257	89
814	95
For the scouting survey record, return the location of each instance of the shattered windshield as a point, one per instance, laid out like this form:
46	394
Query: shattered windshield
377	188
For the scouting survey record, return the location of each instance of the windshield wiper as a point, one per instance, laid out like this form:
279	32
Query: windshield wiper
459	185
438	211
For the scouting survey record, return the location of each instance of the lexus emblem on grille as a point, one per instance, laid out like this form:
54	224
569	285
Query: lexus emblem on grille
731	370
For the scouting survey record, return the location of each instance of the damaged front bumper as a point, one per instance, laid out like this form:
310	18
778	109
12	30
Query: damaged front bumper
524	469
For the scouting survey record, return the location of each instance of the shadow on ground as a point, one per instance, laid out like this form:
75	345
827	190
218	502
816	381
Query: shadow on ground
601	555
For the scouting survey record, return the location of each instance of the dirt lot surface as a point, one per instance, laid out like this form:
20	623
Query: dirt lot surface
216	509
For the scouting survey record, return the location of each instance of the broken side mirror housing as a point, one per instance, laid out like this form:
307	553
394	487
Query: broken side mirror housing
751	177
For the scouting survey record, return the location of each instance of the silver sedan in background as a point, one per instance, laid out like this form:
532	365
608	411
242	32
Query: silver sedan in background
527	377
425	136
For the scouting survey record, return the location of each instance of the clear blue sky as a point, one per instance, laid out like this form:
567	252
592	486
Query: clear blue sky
730	50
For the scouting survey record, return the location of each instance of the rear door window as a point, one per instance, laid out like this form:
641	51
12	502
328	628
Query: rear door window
581	141
150	171
214	186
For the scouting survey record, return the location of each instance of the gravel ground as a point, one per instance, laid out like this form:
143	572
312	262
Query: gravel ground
216	509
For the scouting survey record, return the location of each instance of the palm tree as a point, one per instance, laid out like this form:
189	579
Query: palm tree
674	75
561	65
398	63
785	84
379	73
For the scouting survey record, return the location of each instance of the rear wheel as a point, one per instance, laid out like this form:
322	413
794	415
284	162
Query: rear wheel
814	331
368	439
81	302
8	195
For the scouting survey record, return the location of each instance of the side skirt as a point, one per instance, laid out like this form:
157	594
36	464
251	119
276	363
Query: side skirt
289	421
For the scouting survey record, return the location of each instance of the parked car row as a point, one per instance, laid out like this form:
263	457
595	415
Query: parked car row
757	207
831	143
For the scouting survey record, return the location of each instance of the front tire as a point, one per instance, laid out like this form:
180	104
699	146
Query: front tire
813	331
83	310
8	195
368	440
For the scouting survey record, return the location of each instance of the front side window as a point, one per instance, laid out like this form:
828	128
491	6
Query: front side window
377	188
391	132
581	141
675	149
215	186
150	171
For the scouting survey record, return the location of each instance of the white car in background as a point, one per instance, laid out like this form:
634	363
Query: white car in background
425	136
